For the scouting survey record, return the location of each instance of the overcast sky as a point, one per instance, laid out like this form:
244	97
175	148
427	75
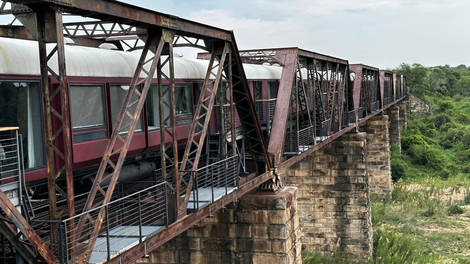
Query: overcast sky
380	33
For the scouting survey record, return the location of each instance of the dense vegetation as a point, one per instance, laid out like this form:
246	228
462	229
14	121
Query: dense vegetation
436	144
427	220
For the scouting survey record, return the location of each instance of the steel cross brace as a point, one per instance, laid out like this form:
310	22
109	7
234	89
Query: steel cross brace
302	100
119	145
201	120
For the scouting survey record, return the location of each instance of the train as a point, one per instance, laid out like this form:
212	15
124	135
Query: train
98	80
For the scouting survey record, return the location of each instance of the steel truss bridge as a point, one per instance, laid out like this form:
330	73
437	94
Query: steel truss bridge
320	98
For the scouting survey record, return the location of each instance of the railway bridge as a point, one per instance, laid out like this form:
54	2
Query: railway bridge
257	156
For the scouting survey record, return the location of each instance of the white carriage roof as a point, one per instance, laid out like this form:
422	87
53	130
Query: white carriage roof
21	57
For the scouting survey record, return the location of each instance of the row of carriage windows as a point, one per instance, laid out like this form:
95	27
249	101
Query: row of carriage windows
89	115
21	106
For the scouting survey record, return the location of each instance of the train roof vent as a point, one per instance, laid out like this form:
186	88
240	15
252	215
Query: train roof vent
108	46
69	41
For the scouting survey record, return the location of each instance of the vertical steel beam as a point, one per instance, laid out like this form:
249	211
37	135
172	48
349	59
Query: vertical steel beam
49	23
169	151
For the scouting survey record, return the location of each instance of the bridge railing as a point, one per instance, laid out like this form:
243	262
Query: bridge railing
349	118
128	221
212	182
11	165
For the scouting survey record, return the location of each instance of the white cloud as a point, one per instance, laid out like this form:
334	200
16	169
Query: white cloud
254	33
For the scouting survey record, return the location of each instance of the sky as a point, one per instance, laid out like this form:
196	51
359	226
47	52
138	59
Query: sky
380	33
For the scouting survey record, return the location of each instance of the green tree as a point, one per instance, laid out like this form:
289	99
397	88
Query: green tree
463	86
437	80
415	77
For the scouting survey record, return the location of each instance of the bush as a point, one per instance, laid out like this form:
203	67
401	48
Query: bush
407	141
445	105
431	132
455	210
428	156
452	136
392	247
446	127
398	168
318	258
463	118
440	119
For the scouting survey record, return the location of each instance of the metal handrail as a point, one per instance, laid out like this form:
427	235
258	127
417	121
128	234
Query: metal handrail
266	100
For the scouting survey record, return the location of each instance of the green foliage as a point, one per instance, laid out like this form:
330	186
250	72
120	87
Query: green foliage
428	156
440	120
407	141
398	167
393	247
455	210
337	257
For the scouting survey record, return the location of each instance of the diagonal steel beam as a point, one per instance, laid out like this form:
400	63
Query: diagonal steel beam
155	38
281	113
20	222
254	138
12	236
201	120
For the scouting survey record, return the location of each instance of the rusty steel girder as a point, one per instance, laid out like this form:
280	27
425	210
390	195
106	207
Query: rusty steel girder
22	224
321	98
107	10
118	144
367	88
59	162
162	31
201	119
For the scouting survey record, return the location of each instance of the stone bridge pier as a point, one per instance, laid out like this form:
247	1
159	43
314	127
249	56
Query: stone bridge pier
333	199
262	227
324	205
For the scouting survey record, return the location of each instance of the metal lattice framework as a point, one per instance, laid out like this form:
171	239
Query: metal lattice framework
312	99
304	73
160	33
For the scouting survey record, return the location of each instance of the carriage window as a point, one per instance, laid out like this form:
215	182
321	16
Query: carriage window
87	106
183	100
21	106
257	90
184	106
153	103
272	90
118	95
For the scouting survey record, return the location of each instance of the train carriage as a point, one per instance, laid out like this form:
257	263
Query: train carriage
98	83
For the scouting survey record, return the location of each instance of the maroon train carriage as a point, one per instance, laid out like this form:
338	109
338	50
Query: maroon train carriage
98	82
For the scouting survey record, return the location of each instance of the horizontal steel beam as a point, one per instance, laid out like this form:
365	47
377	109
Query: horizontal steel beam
115	11
367	67
18	32
318	56
255	55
